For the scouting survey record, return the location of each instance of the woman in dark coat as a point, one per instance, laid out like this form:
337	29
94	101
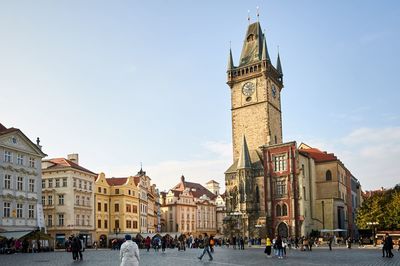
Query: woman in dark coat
76	247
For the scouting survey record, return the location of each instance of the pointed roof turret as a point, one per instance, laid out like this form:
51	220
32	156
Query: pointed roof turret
244	156
230	61
265	55
279	66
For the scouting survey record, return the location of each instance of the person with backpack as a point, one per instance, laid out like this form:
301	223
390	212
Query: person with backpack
212	244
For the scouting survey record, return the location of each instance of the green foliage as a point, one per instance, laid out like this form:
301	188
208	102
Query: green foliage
383	208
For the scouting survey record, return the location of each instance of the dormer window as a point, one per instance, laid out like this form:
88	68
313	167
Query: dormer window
14	140
250	38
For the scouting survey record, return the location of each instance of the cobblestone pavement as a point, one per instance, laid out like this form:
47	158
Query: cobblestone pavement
222	256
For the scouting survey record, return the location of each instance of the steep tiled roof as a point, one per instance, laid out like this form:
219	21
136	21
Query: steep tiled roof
196	189
116	181
317	155
65	163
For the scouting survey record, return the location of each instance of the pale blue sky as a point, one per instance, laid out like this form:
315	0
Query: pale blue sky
124	82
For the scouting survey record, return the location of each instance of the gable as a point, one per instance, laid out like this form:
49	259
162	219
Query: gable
16	140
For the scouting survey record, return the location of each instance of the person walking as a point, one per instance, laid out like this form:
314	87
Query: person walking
129	252
163	244
82	247
389	246
206	245
75	247
279	246
147	242
330	242
268	245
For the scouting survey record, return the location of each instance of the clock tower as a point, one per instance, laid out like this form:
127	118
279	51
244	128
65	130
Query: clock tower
256	87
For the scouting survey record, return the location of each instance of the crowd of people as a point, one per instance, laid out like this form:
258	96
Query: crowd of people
9	246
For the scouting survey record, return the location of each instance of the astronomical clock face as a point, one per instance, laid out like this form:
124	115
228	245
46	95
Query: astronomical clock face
248	89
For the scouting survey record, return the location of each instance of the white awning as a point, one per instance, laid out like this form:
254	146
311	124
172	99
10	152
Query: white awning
14	234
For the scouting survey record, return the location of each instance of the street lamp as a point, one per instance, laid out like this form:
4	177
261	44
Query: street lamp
374	224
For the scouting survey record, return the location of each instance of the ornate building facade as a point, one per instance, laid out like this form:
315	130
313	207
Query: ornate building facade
188	208
267	189
21	180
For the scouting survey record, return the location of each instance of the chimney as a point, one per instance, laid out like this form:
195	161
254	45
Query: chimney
74	158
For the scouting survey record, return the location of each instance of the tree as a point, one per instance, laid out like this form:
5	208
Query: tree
383	208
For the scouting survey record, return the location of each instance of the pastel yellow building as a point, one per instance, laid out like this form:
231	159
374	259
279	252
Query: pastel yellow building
117	208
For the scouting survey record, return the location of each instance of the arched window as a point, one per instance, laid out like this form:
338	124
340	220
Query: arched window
284	210
278	210
328	175
257	195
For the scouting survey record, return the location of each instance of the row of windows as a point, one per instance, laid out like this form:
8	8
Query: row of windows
104	190
87	185
79	200
20	183
20	160
19	212
80	220
56	182
60	220
281	210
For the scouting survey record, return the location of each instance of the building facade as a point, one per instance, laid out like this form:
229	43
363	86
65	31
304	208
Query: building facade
68	197
274	187
125	205
188	208
20	181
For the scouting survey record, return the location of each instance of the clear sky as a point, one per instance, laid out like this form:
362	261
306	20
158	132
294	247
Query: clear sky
124	82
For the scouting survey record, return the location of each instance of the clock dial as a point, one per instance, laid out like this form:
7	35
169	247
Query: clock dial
248	89
273	90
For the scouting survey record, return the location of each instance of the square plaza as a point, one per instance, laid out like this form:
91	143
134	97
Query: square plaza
222	256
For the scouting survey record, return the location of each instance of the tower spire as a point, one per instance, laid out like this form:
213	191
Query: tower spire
278	65
265	55
244	156
230	61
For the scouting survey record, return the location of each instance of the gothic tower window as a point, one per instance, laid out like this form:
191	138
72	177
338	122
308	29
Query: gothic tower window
278	210
280	188
284	210
280	163
328	175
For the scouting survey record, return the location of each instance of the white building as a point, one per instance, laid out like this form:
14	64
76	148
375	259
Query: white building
68	197
20	181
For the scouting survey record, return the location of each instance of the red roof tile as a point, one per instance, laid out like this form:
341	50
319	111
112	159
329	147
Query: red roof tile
63	163
116	181
196	189
318	155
